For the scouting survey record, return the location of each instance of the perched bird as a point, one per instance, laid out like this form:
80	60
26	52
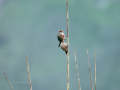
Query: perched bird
64	47
60	37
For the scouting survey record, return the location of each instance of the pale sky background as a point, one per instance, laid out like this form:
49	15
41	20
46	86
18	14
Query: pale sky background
30	27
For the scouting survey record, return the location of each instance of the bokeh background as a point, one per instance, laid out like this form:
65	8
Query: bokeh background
30	27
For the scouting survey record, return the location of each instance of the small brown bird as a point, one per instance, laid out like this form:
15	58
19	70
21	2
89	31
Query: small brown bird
64	47
60	37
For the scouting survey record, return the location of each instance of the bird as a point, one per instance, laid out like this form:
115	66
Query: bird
64	47
60	37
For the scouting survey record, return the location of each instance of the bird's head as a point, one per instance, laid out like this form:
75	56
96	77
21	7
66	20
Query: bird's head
62	42
60	31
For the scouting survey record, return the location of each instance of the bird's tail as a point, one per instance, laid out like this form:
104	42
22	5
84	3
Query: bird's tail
66	52
59	44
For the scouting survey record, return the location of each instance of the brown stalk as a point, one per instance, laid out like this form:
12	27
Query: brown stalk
28	73
77	70
95	69
8	80
89	69
68	50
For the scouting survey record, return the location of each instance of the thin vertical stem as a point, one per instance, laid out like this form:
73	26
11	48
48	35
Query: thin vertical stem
77	70
68	50
8	80
89	69
28	73
95	69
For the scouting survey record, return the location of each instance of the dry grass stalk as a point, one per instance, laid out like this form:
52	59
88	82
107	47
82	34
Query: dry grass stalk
95	69
8	80
68	50
89	69
28	72
77	70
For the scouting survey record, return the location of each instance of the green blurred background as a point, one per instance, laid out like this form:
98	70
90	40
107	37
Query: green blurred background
30	27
